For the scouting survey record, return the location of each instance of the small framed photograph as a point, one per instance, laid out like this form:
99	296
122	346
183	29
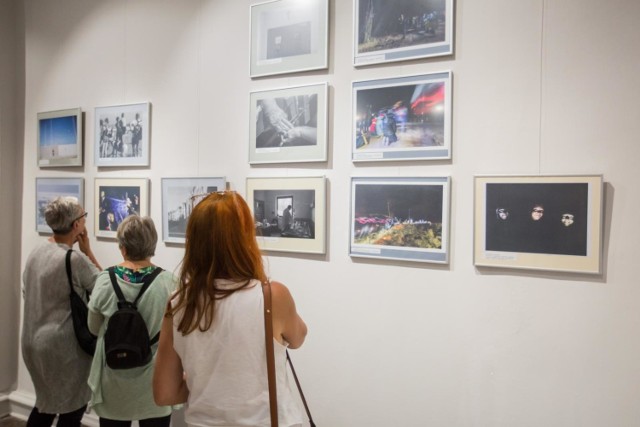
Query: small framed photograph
400	218
122	135
289	213
288	36
539	222
402	118
116	199
179	196
400	30
47	189
60	138
288	125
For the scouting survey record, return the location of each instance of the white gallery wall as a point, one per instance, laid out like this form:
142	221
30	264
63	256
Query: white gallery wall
539	87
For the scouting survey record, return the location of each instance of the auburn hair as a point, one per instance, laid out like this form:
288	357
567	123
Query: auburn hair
220	244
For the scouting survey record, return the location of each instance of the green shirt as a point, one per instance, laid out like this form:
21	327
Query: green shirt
127	394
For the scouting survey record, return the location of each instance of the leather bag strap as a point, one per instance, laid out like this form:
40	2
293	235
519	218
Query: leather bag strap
271	364
68	265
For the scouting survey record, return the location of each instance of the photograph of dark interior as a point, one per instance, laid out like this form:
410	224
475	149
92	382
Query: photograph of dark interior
400	215
290	121
180	201
289	40
544	218
400	117
384	24
115	204
285	213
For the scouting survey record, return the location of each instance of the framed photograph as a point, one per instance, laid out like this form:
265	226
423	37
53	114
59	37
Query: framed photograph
288	125
122	135
402	118
400	218
539	222
47	189
289	213
60	138
288	36
400	30
179	196
116	199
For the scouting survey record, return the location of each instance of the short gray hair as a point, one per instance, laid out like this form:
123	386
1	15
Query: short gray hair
138	236
61	213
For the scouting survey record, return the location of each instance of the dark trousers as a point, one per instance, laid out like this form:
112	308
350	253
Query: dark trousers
149	422
70	419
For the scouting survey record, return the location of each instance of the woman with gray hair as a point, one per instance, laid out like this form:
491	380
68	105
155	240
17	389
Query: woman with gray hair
120	396
59	368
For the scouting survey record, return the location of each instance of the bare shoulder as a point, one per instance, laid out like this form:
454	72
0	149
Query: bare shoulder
280	291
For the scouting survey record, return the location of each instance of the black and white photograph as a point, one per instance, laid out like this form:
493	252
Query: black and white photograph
47	189
116	199
403	118
179	197
289	213
387	31
289	125
543	218
400	218
288	36
60	138
122	135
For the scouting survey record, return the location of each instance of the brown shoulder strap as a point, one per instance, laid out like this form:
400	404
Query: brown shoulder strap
271	364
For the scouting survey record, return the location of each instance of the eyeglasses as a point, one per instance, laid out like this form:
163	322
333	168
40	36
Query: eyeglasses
84	215
538	210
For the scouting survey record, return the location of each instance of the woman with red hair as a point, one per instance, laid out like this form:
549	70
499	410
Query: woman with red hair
212	343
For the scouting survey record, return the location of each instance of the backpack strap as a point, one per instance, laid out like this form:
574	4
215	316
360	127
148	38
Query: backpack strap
148	279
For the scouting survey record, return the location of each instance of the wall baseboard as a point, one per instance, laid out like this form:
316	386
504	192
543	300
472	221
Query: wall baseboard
20	405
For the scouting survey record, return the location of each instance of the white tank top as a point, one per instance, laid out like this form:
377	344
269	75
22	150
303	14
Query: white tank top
226	368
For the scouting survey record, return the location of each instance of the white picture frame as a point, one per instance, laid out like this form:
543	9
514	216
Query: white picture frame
288	125
117	198
401	30
122	135
289	213
400	218
60	138
402	118
288	36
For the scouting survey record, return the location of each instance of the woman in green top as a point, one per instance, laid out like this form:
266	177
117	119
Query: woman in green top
123	395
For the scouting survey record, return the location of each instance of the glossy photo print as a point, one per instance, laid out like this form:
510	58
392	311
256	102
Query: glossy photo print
60	138
400	218
179	197
539	222
399	30
404	118
116	199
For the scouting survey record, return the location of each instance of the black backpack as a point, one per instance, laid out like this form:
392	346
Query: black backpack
79	314
126	340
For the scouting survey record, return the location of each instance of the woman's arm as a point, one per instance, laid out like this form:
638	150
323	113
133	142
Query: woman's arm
287	323
169	386
94	321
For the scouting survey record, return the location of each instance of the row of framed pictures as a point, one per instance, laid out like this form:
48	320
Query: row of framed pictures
121	136
532	222
400	118
290	36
